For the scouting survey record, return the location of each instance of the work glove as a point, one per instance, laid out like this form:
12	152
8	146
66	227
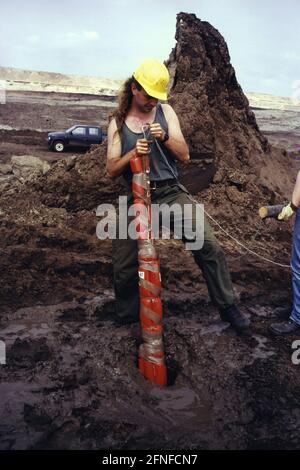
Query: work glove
287	211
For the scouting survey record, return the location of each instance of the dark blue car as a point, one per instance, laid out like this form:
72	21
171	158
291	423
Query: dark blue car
77	136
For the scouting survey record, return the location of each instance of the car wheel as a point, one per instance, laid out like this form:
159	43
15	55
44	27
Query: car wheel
59	146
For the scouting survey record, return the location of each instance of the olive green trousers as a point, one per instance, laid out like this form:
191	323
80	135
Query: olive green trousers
210	258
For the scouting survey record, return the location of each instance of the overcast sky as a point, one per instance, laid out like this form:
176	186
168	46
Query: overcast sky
109	38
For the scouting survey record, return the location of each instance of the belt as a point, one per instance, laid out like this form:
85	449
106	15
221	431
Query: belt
161	183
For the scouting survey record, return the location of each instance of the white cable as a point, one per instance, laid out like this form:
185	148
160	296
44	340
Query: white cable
228	234
247	249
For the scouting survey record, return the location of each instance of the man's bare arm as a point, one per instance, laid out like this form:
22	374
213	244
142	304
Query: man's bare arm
289	210
296	192
116	163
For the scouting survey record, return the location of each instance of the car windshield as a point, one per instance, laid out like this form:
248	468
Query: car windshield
71	129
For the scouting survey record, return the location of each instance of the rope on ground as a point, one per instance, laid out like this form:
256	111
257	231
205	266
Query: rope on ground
245	248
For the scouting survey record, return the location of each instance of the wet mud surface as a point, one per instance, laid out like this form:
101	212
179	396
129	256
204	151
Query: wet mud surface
281	127
71	379
71	382
27	117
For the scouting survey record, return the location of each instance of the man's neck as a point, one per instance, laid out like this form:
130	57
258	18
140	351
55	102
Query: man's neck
136	112
135	118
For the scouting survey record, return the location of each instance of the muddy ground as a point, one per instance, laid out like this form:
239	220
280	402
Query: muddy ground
70	380
281	127
27	117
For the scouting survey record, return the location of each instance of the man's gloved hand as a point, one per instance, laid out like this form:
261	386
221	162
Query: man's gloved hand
287	212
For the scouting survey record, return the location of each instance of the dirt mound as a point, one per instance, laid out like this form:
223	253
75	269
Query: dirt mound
214	112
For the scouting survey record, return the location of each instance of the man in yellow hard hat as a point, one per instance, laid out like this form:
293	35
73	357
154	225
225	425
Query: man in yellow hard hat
139	105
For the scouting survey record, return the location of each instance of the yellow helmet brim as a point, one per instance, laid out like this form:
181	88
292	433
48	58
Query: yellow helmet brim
156	94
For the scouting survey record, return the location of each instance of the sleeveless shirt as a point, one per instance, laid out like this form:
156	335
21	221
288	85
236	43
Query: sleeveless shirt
159	164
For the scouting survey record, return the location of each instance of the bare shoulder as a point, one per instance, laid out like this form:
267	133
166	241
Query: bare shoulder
167	109
112	126
172	121
113	140
169	112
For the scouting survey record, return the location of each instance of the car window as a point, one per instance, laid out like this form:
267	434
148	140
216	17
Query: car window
93	131
79	131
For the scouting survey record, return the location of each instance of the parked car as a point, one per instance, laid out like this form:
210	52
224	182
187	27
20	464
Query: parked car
77	136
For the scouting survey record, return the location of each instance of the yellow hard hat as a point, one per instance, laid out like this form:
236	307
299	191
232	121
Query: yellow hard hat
154	77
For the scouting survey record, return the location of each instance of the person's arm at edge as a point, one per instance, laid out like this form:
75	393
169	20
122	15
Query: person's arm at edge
176	142
116	164
296	192
292	207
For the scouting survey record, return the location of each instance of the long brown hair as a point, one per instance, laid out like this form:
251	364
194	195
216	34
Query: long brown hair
124	102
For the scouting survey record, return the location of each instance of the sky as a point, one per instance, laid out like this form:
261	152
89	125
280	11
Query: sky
110	38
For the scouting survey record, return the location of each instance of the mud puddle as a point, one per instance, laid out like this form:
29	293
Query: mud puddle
71	381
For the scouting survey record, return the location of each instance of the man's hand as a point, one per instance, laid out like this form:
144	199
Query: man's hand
156	131
142	146
287	212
